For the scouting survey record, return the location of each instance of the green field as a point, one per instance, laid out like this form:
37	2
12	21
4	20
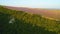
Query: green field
26	23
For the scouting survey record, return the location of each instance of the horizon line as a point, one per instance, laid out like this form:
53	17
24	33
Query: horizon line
32	7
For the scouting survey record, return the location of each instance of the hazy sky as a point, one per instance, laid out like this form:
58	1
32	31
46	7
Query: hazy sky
32	3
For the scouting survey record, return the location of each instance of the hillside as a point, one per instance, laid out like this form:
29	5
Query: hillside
45	12
26	23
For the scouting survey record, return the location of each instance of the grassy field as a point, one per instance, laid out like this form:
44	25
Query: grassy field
26	23
52	13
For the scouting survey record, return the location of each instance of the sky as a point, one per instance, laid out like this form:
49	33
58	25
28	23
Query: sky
52	4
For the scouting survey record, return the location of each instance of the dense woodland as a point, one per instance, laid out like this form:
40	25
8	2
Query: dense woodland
26	23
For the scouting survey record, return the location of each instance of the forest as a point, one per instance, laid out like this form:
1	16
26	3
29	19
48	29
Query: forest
26	23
